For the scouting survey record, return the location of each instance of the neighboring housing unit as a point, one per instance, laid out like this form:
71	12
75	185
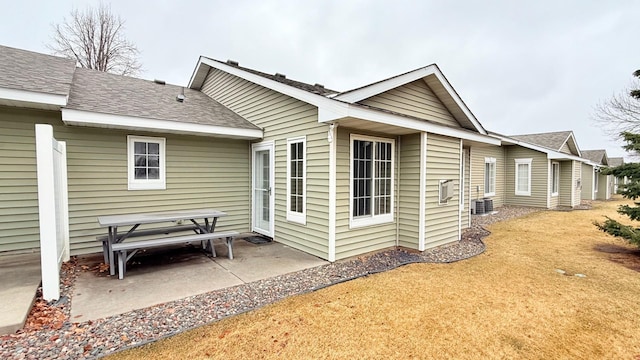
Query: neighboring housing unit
617	182
333	174
539	170
602	186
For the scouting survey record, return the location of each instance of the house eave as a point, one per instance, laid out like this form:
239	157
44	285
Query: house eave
111	121
25	98
353	111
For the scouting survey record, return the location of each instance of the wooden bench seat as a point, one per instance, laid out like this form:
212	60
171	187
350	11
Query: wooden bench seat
146	232
125	250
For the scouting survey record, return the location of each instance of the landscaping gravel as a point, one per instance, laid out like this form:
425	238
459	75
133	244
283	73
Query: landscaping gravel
91	339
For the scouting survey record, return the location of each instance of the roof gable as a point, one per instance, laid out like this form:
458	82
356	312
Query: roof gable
436	81
616	161
414	99
561	141
596	156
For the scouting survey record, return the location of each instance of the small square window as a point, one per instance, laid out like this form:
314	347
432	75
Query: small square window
146	163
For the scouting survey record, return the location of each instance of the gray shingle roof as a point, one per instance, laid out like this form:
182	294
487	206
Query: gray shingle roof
616	161
106	93
31	71
595	156
315	89
550	140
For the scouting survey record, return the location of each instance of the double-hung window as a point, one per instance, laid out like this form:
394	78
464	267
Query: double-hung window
296	179
372	161
555	178
523	177
146	163
489	176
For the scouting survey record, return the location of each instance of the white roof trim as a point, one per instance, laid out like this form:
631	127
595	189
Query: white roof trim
33	97
551	154
363	113
311	98
394	82
330	110
94	119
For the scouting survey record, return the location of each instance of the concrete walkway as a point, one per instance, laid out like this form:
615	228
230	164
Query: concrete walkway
19	279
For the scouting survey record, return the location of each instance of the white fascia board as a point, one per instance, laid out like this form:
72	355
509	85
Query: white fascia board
33	97
368	91
302	95
197	75
363	113
88	118
386	85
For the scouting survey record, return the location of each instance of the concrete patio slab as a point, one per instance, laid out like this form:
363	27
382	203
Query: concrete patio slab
256	262
174	273
18	284
155	278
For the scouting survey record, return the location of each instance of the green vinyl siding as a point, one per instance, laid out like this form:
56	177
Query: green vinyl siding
443	163
478	155
409	175
200	172
577	177
282	117
566	177
413	99
540	180
604	186
356	241
587	182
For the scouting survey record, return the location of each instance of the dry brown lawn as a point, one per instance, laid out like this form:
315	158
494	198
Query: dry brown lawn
509	302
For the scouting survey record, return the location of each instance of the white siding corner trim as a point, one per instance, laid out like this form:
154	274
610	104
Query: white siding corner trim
422	191
299	216
331	137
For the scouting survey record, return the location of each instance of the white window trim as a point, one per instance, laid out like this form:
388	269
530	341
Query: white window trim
372	219
553	180
490	160
528	163
138	184
293	216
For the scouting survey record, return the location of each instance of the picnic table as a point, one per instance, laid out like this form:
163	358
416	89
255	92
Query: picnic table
201	221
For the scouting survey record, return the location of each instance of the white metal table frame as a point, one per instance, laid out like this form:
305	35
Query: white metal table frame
135	220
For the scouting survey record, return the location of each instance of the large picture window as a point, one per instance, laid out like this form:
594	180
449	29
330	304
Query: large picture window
146	163
296	179
555	178
489	176
523	177
371	180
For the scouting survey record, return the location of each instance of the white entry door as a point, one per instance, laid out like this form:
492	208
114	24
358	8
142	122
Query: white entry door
263	193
